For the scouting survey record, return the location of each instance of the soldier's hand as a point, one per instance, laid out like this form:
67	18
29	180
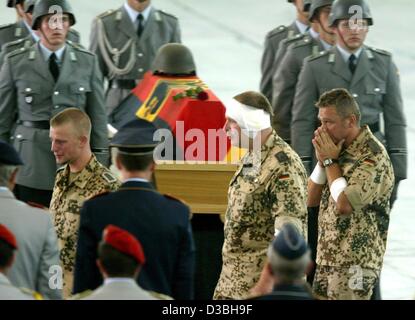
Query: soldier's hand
324	145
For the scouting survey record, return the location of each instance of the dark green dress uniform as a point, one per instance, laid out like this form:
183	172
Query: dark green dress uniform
18	30
31	97
123	56
375	86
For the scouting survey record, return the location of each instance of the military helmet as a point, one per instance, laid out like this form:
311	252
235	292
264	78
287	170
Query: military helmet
45	7
307	4
343	9
12	3
317	4
174	58
29	5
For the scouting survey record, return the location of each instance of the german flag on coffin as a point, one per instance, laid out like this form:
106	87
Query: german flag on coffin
196	125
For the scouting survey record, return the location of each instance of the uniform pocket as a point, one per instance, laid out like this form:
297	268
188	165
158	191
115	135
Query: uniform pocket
80	90
29	93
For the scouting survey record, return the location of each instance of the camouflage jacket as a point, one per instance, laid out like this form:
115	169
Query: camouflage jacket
358	239
67	200
260	199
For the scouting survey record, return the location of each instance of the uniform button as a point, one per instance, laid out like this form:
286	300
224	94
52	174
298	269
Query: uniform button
82	89
28	90
377	89
56	93
19	136
256	180
140	70
56	107
140	55
355	95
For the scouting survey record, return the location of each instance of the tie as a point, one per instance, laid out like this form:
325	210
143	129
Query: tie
352	63
53	66
140	28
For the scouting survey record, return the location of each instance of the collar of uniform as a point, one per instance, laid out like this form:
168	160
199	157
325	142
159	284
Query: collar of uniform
134	14
356	146
4	280
314	34
46	52
301	26
6	193
346	54
326	46
136	180
108	281
265	148
83	176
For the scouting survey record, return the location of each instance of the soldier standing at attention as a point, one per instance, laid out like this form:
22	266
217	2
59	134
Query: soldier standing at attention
81	178
126	41
21	30
286	76
369	74
37	83
272	42
268	189
352	183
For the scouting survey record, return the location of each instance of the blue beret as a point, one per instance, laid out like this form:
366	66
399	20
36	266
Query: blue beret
289	243
135	138
8	155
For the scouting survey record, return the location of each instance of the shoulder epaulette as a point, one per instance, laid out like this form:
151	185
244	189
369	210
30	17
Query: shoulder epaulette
282	157
305	41
16	52
80	295
5	26
73	31
160	296
104	193
374	146
13	43
380	51
167	14
277	30
106	14
109	177
317	56
34	294
80	48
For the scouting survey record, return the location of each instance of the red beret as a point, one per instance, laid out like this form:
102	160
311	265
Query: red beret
124	242
7	236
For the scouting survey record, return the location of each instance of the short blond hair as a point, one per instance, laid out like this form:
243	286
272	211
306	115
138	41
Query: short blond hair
79	120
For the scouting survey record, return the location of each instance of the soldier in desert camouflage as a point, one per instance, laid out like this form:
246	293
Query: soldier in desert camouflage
352	183
81	178
268	190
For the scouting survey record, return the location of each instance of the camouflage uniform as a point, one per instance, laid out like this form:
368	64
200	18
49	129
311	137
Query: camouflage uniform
67	200
357	241
260	202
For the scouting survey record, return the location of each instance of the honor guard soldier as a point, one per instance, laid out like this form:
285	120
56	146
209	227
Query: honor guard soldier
126	41
161	223
21	31
272	42
368	73
39	82
286	76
